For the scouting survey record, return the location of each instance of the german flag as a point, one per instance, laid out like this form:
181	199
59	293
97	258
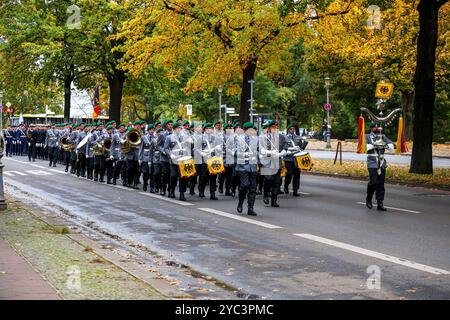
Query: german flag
97	109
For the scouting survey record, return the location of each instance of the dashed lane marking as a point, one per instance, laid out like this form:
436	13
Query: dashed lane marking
374	254
181	203
14	173
393	208
240	218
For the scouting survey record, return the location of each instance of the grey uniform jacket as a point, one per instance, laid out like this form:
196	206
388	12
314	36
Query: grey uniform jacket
290	141
246	153
160	146
51	139
173	143
372	155
270	164
115	145
146	149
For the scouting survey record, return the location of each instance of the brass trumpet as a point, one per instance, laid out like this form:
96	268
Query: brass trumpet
104	147
66	145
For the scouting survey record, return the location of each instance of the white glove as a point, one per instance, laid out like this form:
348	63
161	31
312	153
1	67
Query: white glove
140	162
203	154
111	158
391	146
173	157
218	148
29	144
370	147
189	141
282	153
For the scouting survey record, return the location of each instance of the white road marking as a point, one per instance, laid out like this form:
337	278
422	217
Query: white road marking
37	166
14	173
305	193
240	218
181	203
392	208
39	172
58	171
374	254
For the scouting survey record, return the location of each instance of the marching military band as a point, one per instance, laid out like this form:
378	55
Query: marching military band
170	154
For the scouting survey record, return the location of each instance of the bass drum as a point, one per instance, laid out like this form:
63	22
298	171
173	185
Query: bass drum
303	161
187	167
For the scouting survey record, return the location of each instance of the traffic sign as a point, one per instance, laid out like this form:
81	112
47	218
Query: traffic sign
327	106
231	110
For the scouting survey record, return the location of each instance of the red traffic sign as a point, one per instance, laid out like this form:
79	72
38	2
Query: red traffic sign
327	107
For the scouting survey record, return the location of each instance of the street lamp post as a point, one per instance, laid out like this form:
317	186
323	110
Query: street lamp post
2	146
220	102
252	83
327	86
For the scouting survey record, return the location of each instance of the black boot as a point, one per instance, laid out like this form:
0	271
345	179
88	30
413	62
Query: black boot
296	194
266	200
102	179
182	198
369	203
54	165
152	190
251	212
163	191
286	190
274	203
380	206
50	164
114	182
67	168
220	189
144	187
108	181
228	193
213	196
241	202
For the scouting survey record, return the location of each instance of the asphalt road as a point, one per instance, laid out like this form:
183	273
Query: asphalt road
438	162
323	245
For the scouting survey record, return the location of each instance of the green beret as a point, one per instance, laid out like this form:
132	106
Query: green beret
151	126
226	126
109	127
167	122
207	125
143	122
82	124
248	125
157	123
112	122
236	124
180	119
372	125
269	123
186	122
74	126
136	122
217	122
175	125
290	126
122	125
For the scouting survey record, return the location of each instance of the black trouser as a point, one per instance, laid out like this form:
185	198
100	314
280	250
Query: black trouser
260	182
292	174
99	167
109	164
53	154
165	175
376	184
32	151
226	177
81	165
247	187
235	181
73	162
272	185
205	177
155	182
118	170
174	176
90	167
132	172
145	170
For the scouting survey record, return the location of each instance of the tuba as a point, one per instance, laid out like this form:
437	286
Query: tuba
132	140
66	145
104	147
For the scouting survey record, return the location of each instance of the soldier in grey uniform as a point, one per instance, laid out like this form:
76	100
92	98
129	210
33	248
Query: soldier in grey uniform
116	154
227	176
89	148
271	146
293	145
209	149
132	162
81	155
73	139
109	160
156	162
376	165
99	159
246	151
51	143
176	147
145	158
165	164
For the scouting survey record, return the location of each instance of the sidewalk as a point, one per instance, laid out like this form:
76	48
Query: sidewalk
18	280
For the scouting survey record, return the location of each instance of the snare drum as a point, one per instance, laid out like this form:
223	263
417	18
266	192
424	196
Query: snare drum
187	167
215	165
303	161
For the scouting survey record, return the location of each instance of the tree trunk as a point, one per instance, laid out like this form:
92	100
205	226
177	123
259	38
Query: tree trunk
67	95
115	82
424	82
407	102
248	73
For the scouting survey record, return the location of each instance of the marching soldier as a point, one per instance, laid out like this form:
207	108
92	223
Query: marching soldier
377	143
246	151
165	165
99	159
23	140
271	148
145	158
132	162
235	177
73	139
81	155
32	138
51	144
109	163
209	149
294	144
227	176
156	182
9	141
116	155
173	147
90	157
